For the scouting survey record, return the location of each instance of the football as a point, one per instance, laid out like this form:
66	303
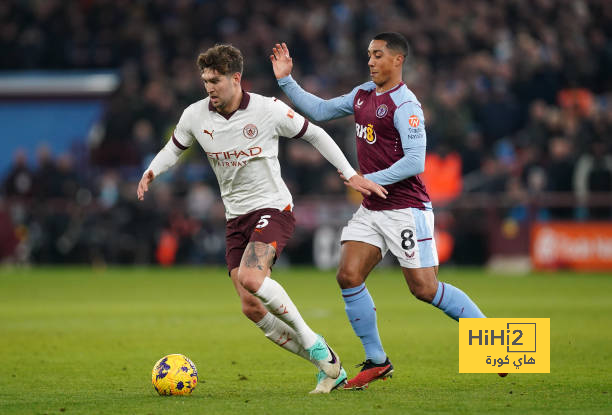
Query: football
174	374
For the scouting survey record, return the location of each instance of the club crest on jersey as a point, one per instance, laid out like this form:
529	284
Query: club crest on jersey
366	132
381	111
414	121
250	131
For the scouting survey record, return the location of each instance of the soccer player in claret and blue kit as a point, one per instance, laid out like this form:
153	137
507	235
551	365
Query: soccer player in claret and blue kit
239	133
391	141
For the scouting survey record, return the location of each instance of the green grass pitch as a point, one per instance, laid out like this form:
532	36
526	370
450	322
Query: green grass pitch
84	341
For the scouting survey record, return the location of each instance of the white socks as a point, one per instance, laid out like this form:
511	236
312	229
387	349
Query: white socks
281	334
277	301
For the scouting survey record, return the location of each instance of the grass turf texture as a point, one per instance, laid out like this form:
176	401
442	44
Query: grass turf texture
79	340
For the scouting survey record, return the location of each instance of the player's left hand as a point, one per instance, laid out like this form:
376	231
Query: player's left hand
282	64
364	186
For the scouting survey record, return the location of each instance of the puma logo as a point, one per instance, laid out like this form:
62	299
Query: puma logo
280	339
281	310
210	133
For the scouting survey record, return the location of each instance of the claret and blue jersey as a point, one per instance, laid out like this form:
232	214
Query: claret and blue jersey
390	137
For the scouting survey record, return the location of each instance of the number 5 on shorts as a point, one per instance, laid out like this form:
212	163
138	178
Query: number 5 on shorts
263	221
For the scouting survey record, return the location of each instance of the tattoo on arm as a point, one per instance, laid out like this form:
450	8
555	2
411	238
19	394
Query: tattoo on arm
258	255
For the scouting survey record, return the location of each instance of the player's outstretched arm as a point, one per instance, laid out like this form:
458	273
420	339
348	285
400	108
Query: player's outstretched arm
166	158
364	186
312	106
411	164
328	148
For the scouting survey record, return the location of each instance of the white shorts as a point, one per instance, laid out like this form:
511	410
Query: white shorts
408	233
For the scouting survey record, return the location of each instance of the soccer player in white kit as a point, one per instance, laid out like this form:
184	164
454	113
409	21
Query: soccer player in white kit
391	142
239	132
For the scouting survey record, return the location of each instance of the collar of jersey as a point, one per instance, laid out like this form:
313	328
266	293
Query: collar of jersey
244	102
395	88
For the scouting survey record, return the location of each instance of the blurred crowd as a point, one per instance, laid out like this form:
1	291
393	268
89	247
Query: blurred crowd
517	97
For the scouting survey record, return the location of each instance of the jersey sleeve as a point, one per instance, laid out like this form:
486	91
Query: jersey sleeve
288	123
409	121
320	140
316	108
183	137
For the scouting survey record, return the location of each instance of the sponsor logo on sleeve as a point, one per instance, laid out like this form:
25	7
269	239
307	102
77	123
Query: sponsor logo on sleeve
414	121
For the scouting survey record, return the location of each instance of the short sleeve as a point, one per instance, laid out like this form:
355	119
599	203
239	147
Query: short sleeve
409	121
183	137
288	122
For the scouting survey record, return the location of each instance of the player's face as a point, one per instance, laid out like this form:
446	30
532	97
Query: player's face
384	64
223	90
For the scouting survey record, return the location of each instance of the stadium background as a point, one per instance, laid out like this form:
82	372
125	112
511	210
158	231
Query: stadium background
517	102
517	97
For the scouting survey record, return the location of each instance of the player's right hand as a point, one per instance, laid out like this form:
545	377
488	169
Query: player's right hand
364	186
143	186
282	64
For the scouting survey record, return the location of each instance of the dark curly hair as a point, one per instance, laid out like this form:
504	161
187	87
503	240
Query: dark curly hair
225	59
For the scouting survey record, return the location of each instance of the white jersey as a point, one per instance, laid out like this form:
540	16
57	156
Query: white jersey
243	149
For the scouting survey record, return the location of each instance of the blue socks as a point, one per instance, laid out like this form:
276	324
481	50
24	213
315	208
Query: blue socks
455	303
361	313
